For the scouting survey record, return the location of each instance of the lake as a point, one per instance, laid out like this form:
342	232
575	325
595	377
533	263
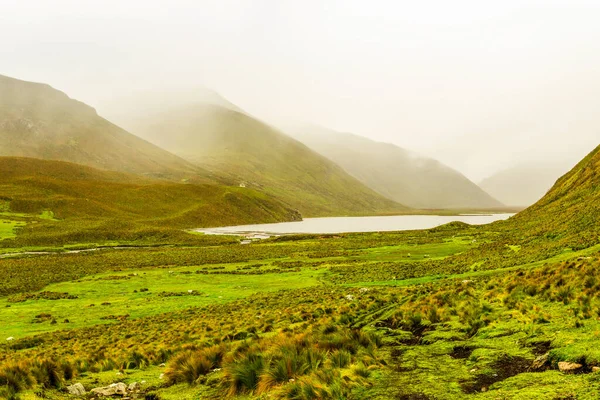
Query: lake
352	224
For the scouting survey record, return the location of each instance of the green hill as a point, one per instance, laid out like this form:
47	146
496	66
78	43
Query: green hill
397	173
251	153
570	211
41	122
90	204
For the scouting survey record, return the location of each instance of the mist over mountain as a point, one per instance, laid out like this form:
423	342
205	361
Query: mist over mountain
571	208
39	121
229	142
524	184
394	172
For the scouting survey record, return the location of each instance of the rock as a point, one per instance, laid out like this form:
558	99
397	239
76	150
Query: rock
134	387
569	367
111	390
162	365
595	369
363	290
10	339
161	376
540	363
349	297
76	389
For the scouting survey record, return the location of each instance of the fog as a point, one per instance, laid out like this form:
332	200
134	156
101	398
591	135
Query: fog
479	85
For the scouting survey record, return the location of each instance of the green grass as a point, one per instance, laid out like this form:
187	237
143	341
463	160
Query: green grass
70	204
255	298
348	316
8	228
118	289
47	214
409	253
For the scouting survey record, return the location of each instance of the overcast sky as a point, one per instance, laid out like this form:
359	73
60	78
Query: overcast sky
478	84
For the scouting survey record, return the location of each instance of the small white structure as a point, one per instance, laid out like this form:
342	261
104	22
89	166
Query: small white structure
243	184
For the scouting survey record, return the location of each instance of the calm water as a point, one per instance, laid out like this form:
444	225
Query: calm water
352	224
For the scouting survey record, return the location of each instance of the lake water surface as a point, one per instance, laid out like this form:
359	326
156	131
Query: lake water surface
352	224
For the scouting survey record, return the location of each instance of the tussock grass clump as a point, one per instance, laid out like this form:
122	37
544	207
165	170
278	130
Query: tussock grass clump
243	374
15	377
191	365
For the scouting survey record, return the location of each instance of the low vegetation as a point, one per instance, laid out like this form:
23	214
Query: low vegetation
504	311
68	203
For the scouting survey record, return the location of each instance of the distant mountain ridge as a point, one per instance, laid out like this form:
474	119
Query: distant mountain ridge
395	172
227	141
522	185
41	122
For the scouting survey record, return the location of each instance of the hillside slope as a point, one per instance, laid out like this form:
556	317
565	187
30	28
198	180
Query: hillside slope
41	122
570	211
84	199
254	154
522	185
395	172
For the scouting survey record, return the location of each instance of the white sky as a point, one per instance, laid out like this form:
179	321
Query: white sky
478	84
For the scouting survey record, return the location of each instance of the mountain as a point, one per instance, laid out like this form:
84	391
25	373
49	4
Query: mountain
396	173
227	141
41	122
81	197
570	211
522	185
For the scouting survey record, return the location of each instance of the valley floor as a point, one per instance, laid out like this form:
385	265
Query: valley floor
455	312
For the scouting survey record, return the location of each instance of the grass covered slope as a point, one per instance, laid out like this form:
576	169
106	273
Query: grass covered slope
397	173
84	200
41	122
250	152
570	211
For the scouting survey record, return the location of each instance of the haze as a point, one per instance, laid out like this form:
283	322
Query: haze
480	86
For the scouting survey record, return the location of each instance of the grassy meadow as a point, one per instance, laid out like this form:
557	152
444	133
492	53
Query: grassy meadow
508	310
408	315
